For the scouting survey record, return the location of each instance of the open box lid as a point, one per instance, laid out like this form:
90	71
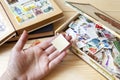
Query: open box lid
98	15
6	28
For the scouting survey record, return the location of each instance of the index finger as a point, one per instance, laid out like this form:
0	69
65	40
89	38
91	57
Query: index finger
45	44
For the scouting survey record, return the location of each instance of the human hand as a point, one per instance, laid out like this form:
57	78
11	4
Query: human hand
35	62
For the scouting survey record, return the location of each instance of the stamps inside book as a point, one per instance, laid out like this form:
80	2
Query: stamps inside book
25	10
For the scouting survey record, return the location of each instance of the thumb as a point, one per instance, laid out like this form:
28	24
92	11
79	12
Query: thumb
21	42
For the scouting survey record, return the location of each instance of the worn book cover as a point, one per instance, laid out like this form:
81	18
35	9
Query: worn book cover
29	15
39	33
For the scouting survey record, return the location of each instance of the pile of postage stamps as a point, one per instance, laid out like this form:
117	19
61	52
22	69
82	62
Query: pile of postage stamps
97	42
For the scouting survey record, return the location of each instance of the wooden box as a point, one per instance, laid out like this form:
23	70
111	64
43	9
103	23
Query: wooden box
30	15
96	39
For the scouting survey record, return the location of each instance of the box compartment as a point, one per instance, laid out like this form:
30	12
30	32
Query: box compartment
96	43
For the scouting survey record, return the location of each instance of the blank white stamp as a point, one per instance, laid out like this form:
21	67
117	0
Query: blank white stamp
60	43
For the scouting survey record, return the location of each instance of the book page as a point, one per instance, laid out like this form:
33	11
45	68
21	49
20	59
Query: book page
25	10
6	27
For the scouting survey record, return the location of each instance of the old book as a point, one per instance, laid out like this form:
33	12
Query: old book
29	15
42	32
39	33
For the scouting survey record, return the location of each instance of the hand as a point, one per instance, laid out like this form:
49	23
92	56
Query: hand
35	62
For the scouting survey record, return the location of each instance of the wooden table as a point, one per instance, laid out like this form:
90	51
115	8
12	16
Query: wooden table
72	68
